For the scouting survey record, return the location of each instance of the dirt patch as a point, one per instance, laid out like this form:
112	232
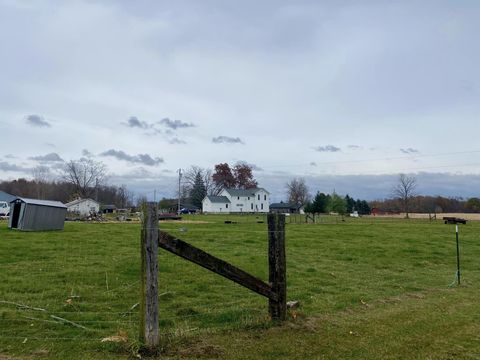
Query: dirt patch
201	349
186	222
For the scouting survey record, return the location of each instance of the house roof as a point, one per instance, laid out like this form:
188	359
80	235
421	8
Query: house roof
50	203
78	201
218	199
245	192
6	196
282	205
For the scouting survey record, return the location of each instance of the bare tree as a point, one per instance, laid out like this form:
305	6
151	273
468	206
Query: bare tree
297	191
41	177
85	175
405	190
192	173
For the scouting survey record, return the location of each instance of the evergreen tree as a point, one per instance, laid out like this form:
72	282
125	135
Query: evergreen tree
350	204
320	203
199	191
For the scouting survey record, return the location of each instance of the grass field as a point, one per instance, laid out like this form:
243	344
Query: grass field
369	289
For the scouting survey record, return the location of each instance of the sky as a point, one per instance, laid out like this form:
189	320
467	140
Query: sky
346	94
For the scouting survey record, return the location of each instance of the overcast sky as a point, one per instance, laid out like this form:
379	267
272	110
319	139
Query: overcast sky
344	93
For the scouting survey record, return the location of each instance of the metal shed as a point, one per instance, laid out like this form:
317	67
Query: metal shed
36	215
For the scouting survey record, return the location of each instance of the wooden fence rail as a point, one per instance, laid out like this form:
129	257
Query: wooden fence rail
275	290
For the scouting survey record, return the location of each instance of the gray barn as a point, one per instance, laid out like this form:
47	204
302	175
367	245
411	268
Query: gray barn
36	215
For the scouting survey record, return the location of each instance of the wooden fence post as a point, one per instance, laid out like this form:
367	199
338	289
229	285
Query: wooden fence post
277	265
149	334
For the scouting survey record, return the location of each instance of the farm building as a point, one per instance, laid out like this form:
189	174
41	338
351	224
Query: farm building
83	206
36	215
108	209
6	197
286	208
238	201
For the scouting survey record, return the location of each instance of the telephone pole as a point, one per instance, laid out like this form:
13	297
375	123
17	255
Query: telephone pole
179	189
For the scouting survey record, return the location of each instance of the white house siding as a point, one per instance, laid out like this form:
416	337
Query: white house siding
257	202
83	207
209	207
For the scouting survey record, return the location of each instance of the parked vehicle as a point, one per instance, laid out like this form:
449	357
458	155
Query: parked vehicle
187	211
4	208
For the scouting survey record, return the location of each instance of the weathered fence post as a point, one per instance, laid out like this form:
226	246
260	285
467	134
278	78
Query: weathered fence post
149	334
277	265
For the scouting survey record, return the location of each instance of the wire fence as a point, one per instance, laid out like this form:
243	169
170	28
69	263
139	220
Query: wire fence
69	291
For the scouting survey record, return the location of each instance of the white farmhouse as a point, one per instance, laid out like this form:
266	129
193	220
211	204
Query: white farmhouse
238	201
83	206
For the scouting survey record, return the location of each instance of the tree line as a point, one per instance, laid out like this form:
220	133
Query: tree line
83	178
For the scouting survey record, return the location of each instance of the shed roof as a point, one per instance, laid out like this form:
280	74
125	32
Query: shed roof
245	192
78	201
50	203
282	205
218	199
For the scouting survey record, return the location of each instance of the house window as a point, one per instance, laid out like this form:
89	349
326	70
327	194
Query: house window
249	198
226	206
265	197
258	196
251	206
261	206
238	197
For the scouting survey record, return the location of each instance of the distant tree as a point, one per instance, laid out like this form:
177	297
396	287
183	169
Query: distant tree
473	205
405	190
297	191
85	175
338	204
244	176
223	178
350	203
198	191
319	204
362	207
241	177
41	177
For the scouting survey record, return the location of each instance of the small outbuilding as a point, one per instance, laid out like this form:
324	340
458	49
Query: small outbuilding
286	208
36	215
83	207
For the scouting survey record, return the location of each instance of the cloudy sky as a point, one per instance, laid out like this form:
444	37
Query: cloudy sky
344	93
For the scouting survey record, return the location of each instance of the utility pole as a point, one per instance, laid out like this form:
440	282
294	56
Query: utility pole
179	189
96	189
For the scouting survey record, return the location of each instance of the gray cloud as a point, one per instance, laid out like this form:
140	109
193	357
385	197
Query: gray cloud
354	147
175	124
313	163
327	148
176	140
252	166
139	159
409	151
10	156
227	140
133	122
6	166
86	153
37	120
51	157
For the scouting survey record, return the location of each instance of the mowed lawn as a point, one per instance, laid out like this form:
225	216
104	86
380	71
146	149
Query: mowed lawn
369	289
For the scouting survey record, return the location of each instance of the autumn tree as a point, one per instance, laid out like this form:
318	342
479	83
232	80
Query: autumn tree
241	177
297	191
405	190
244	177
223	177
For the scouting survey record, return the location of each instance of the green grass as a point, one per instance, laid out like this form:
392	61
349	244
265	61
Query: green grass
369	288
